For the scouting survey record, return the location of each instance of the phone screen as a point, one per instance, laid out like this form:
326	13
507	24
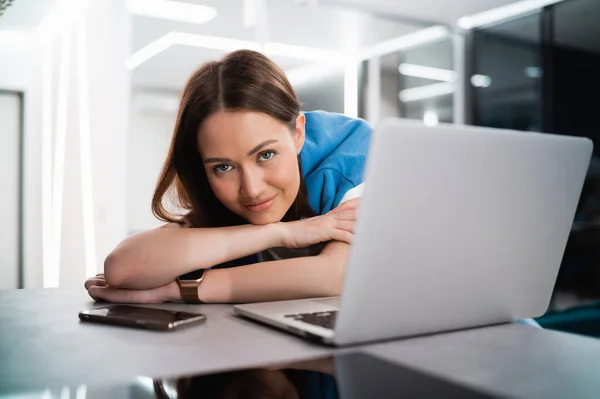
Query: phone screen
140	316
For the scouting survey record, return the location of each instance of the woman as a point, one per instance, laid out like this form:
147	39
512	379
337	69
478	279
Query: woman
249	181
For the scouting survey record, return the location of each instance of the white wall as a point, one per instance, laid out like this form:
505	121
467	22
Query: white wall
10	106
20	71
149	140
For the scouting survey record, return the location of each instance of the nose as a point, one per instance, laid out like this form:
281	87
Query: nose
252	184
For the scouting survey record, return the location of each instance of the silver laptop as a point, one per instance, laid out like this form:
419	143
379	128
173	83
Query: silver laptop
458	227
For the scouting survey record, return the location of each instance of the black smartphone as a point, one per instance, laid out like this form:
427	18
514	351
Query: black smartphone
141	317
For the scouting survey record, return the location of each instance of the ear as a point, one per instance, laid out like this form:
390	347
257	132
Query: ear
300	132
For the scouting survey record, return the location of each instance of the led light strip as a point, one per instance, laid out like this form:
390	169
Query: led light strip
62	106
425	72
502	13
424	92
174	10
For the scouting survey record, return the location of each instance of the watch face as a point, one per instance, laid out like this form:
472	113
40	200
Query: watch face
195	275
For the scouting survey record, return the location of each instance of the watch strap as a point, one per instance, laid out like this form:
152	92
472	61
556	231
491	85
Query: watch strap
188	286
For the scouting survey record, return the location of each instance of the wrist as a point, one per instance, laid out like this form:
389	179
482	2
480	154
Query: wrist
171	292
277	233
215	287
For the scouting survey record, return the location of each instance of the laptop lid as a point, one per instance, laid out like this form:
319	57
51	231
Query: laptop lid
458	227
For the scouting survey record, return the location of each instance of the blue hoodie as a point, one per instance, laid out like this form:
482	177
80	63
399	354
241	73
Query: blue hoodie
333	157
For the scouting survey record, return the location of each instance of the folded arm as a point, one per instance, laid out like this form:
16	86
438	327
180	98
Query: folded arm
143	268
305	277
153	258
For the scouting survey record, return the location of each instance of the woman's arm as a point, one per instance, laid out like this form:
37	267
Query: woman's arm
156	257
296	278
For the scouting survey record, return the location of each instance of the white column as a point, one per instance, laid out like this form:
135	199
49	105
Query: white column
351	88
373	92
460	67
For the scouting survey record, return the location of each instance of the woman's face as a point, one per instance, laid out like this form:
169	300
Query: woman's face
251	161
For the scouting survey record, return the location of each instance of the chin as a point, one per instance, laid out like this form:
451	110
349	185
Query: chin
263	219
266	217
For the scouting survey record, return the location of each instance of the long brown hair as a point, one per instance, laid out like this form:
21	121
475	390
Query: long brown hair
242	80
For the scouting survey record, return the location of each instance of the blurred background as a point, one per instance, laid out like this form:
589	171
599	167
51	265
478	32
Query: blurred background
89	91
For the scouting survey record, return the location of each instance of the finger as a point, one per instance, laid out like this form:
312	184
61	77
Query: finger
346	215
122	296
96	292
350	204
353	202
346	225
343	236
100	275
94	281
109	294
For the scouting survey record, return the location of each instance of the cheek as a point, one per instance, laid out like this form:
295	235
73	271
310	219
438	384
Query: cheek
224	188
285	174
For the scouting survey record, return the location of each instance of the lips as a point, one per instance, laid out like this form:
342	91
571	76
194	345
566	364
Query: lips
261	205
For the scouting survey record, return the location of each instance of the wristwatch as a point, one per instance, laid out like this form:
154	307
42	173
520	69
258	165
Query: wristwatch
188	285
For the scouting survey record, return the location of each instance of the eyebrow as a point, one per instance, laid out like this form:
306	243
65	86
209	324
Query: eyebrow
261	145
217	160
251	152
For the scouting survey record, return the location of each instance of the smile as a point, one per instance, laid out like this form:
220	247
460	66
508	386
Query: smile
261	206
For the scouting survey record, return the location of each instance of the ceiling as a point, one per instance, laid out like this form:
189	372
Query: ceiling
429	11
331	24
28	13
326	27
323	27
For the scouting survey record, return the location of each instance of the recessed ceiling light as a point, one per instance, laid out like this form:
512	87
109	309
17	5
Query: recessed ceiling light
175	10
425	72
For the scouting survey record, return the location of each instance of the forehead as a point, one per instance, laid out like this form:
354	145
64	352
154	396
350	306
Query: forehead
238	130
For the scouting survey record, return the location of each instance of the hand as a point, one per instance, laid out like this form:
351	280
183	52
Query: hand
336	225
100	291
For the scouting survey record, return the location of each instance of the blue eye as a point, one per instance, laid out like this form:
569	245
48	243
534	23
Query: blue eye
266	155
222	168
